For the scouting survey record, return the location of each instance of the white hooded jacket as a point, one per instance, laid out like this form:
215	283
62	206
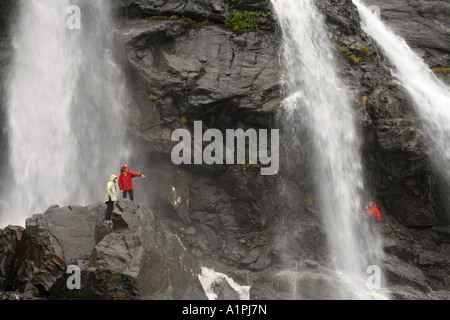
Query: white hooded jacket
111	189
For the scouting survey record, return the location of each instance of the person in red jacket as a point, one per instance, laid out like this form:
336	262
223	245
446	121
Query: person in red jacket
372	210
125	181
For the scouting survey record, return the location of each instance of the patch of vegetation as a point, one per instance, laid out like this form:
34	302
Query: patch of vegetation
157	18
344	49
364	101
335	36
308	201
443	70
244	21
183	120
207	23
155	98
49	256
355	59
246	164
365	50
188	20
350	55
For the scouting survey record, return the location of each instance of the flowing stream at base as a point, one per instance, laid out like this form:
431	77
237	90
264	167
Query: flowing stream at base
317	100
65	102
430	95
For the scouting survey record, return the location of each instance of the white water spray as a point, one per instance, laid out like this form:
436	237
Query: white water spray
430	95
317	99
65	102
209	278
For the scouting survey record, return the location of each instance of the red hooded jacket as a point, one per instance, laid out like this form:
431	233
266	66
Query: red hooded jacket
374	212
125	182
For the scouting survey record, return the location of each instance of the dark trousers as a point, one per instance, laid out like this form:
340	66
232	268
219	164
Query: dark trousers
130	192
109	209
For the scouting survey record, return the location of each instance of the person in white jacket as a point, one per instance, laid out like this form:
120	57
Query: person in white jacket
110	197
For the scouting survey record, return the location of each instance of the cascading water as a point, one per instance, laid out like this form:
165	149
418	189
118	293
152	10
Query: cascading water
210	278
430	95
317	99
65	102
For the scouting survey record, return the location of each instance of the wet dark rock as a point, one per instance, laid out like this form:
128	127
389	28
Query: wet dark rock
198	73
139	258
26	260
215	10
400	272
423	24
98	284
58	227
7	9
421	254
399	172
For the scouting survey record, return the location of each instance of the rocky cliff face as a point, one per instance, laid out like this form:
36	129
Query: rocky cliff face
183	65
136	257
423	24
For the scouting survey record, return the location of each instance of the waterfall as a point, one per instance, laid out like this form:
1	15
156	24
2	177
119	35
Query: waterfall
209	278
431	96
316	101
65	102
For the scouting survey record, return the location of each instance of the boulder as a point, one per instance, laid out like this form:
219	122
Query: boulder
98	284
61	228
9	240
28	261
150	252
138	257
